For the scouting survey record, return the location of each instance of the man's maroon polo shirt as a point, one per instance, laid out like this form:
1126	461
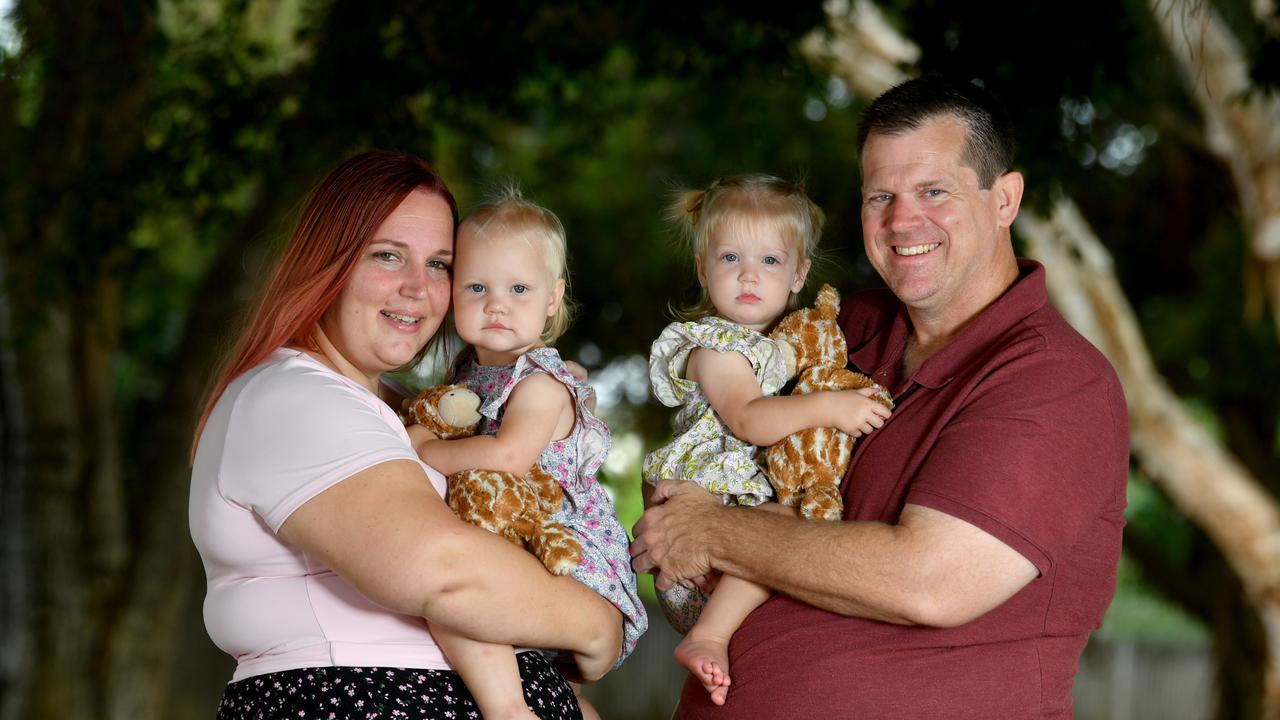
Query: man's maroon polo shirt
1019	427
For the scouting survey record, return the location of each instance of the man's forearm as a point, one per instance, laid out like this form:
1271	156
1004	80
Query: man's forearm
928	569
849	568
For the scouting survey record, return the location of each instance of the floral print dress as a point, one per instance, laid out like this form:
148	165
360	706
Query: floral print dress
703	449
588	509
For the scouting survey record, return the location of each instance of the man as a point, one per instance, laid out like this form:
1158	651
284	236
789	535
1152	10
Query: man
982	523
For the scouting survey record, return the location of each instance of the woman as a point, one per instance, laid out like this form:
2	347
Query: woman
325	540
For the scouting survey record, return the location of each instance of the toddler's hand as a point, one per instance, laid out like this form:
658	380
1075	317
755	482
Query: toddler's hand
858	414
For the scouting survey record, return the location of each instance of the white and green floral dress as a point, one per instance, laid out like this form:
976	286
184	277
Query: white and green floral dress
703	449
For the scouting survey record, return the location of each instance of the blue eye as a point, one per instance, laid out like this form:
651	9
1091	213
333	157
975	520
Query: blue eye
770	260
385	255
476	288
439	265
519	289
730	257
934	192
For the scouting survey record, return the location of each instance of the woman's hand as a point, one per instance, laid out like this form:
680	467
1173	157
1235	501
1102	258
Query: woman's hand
419	433
418	436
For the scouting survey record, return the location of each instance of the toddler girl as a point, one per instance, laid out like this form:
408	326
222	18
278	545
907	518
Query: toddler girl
509	287
752	237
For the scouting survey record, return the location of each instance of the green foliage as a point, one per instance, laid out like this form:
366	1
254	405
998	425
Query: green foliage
1139	613
1151	516
163	148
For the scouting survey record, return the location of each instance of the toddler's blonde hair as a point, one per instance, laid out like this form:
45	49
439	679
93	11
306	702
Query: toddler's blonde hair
508	213
746	199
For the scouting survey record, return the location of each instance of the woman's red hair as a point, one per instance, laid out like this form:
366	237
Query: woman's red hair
337	222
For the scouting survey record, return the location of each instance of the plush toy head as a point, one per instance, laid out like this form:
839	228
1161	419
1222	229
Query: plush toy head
811	335
449	411
806	467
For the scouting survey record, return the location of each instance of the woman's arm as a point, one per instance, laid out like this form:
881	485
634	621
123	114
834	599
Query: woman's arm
730	385
387	532
538	411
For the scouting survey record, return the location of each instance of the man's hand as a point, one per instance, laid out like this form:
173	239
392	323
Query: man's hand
674	536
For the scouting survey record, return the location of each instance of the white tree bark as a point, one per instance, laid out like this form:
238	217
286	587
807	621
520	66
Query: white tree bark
1242	124
1201	477
861	48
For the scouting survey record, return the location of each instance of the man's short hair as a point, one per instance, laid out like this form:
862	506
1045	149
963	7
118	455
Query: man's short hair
988	147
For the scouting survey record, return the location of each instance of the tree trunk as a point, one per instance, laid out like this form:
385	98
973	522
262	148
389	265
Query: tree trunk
16	619
68	196
1206	482
144	641
1203	479
1242	122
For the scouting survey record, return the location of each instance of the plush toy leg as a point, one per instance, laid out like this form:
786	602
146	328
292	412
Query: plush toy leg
550	494
551	542
495	501
556	547
787	495
784	459
822	501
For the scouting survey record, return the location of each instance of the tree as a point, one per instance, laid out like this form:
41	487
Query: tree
153	151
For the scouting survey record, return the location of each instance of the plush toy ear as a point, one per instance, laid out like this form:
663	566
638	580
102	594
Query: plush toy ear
828	297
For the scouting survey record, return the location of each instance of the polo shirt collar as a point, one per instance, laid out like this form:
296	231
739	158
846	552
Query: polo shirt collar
1025	296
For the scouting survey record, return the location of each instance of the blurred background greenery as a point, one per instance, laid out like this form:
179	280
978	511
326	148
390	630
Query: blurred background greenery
155	151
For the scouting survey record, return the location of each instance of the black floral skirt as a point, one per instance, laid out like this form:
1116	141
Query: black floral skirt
375	693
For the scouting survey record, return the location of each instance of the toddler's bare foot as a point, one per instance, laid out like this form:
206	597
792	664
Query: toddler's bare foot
708	659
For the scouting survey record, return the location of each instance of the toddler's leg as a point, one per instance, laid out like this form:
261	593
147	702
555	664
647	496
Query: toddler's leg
490	672
705	650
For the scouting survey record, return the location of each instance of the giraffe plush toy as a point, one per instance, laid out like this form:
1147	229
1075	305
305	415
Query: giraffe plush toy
806	467
518	508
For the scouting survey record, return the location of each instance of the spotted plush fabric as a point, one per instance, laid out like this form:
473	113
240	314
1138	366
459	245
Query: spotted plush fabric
587	509
374	693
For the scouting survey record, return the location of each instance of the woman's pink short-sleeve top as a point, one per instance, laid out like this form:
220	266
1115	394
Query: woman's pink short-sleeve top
281	434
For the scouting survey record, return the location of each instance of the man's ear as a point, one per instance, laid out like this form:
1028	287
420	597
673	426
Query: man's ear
557	297
1008	195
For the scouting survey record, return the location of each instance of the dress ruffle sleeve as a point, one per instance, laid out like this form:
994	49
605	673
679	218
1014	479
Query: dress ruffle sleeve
703	450
594	439
669	355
